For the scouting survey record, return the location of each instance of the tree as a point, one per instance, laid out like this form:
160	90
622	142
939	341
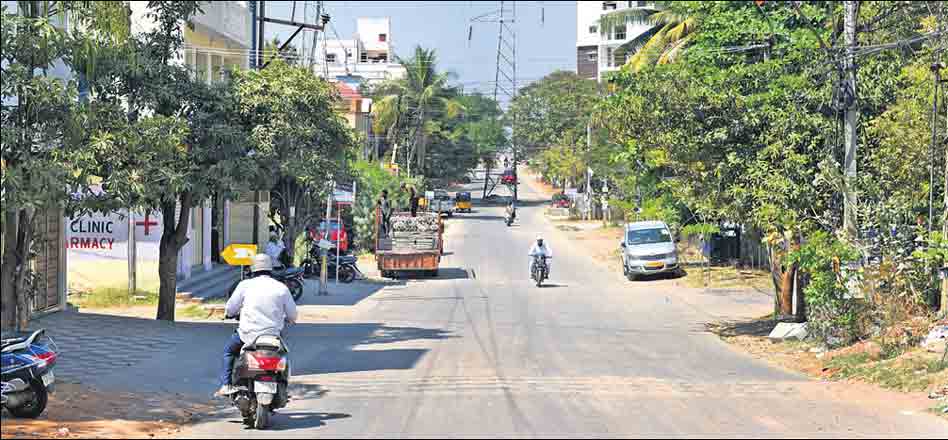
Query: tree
299	142
554	112
290	55
671	31
178	144
462	142
410	106
41	135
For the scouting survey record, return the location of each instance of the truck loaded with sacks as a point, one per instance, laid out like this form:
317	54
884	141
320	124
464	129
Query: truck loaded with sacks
409	244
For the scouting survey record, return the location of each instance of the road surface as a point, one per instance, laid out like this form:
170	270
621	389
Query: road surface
481	352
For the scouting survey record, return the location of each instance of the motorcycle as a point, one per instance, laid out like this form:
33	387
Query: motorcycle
540	271
261	374
292	277
26	376
348	270
510	218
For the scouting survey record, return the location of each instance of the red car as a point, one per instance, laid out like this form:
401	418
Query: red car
337	234
560	201
509	177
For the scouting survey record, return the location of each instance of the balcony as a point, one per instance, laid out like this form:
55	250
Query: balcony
225	19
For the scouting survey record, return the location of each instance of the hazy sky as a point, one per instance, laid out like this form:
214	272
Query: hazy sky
542	47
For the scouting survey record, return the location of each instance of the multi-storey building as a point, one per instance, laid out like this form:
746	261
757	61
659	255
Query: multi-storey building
599	52
368	57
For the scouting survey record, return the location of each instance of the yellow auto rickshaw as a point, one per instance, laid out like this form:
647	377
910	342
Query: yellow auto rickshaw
463	201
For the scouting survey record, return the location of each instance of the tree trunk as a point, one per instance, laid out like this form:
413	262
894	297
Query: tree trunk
24	244
174	236
8	271
783	276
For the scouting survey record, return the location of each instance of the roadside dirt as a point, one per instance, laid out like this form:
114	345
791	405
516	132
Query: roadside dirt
864	368
77	411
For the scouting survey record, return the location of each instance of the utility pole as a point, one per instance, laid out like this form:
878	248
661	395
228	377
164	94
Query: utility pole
589	199
851	120
325	252
505	75
132	255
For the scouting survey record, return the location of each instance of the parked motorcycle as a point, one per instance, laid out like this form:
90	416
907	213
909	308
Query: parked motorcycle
348	270
292	277
26	375
540	270
261	375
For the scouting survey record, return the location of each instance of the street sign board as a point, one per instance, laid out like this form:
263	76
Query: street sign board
239	254
324	244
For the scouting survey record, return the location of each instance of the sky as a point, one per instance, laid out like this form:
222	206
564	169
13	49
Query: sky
546	34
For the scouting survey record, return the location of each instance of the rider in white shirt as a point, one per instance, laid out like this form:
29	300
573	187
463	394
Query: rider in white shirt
264	304
540	249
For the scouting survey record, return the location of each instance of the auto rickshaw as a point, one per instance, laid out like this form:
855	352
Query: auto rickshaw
463	201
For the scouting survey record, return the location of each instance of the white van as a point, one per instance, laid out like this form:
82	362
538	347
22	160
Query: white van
648	248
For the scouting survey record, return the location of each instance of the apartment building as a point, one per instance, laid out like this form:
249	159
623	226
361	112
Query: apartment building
598	53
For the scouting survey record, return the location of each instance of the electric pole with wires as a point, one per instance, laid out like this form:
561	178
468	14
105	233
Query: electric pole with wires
505	75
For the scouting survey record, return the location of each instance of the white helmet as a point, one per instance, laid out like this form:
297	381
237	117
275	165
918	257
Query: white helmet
261	263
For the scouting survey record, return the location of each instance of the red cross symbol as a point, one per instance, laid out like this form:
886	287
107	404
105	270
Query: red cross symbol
147	224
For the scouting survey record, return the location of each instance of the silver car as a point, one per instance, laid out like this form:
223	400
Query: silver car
648	248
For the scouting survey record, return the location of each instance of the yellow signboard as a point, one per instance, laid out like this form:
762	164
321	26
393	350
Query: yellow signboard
239	254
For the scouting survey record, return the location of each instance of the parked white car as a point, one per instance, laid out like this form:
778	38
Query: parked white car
648	248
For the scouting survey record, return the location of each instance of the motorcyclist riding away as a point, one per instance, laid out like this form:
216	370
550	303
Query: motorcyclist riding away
541	249
264	306
512	211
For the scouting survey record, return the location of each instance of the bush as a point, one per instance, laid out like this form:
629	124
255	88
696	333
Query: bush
833	315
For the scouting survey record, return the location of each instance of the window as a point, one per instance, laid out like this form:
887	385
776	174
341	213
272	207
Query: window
593	29
610	60
330	58
648	236
591	56
620	33
364	57
383	37
606	6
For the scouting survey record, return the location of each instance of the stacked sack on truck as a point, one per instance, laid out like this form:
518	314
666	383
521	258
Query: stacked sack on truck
415	233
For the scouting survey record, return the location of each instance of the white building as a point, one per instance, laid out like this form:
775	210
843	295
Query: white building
219	41
597	53
369	56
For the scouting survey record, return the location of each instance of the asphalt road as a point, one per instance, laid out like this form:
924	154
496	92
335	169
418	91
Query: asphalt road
481	352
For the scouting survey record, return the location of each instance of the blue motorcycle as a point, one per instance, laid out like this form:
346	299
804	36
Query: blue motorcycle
26	373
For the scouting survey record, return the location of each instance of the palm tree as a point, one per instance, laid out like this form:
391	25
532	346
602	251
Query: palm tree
409	106
671	31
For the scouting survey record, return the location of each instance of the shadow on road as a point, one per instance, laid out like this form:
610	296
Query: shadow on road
753	327
662	276
302	420
483	217
444	273
341	294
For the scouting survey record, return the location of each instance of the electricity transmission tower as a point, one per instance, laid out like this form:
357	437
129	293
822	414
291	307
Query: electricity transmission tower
505	75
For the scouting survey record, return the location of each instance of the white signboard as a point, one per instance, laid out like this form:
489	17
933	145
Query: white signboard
571	192
341	196
96	231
